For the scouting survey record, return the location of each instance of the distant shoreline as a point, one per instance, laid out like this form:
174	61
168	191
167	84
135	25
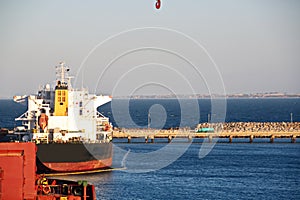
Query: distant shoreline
218	97
272	95
269	95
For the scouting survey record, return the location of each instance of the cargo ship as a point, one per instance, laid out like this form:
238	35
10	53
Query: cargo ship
70	134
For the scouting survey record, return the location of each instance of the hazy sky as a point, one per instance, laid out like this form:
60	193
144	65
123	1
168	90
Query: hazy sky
198	46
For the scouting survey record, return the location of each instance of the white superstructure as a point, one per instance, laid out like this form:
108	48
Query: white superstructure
65	114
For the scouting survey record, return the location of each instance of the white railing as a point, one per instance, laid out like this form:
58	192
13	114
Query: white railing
99	114
24	116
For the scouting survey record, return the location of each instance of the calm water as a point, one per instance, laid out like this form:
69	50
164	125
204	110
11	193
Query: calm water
230	171
182	113
175	113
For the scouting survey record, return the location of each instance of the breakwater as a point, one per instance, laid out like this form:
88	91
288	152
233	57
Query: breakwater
254	126
251	130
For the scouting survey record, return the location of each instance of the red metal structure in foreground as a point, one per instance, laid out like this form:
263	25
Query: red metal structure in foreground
18	178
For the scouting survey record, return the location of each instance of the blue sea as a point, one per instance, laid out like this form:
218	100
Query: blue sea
188	112
239	170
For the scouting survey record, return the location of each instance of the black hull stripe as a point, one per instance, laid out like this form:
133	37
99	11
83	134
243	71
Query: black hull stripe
60	153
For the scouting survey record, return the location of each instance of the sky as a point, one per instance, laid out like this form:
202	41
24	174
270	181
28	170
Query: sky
132	48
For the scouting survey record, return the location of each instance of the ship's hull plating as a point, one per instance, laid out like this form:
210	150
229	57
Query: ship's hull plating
70	157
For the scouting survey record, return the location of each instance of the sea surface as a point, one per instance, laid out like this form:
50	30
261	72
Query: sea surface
240	170
229	171
171	113
190	112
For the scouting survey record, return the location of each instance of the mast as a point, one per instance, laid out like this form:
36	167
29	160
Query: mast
62	75
61	90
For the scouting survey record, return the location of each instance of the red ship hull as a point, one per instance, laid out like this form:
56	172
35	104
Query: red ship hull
79	166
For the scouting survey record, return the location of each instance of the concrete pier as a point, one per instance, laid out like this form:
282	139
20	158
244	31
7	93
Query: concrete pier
251	138
293	138
169	138
272	138
230	139
210	138
249	130
191	135
151	137
190	138
128	138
